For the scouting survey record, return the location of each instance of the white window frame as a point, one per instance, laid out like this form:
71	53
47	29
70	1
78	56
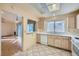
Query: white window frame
46	26
63	28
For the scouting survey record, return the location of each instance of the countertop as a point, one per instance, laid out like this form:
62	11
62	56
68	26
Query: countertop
60	34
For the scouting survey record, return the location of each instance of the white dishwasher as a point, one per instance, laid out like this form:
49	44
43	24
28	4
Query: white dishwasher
43	39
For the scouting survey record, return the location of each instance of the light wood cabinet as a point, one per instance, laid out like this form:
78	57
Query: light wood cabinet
66	43
51	40
60	42
38	38
71	22
40	25
77	21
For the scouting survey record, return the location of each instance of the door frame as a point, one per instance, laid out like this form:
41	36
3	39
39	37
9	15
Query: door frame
22	34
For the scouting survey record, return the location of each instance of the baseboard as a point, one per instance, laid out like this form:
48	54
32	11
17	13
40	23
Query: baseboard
7	35
59	48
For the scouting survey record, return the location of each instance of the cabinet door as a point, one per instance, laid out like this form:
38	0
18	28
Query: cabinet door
58	41
38	38
69	43
62	42
66	43
51	40
77	21
71	22
41	25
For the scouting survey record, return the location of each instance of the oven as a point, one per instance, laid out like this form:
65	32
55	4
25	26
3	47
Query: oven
75	46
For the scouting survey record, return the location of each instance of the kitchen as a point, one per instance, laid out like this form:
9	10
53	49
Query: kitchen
63	39
46	31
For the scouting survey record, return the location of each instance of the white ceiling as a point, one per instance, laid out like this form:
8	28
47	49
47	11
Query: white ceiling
13	10
41	10
64	8
9	16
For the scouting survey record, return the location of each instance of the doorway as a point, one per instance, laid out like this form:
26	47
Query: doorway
19	33
11	34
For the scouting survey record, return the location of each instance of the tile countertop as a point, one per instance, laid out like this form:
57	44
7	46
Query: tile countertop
60	34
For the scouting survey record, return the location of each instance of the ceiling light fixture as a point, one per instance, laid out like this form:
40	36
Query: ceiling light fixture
53	6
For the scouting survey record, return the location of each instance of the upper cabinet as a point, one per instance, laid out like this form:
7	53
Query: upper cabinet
77	21
71	22
40	25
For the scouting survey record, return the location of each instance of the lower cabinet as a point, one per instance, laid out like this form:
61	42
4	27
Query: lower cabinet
60	42
57	41
51	40
66	43
63	42
38	38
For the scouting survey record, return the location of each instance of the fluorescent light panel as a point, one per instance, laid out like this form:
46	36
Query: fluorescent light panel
53	7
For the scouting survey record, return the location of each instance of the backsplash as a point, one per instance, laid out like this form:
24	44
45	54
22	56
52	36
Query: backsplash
75	31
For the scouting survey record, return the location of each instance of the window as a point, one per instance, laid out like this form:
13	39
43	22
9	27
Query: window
59	26
55	26
31	26
50	27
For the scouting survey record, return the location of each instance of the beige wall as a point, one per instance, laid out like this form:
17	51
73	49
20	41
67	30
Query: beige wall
0	33
7	28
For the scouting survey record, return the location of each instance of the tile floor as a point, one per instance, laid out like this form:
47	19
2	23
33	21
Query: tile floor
43	50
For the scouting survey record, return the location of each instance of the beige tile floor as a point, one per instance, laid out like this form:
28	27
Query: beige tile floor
43	50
